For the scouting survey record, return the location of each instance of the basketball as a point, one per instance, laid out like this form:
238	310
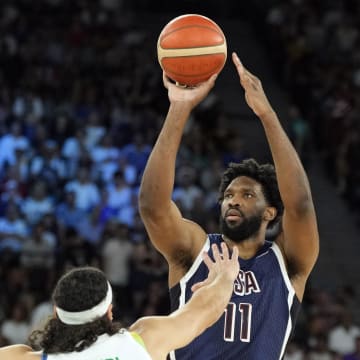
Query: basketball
191	48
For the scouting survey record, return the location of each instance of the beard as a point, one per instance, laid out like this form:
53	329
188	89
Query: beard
240	232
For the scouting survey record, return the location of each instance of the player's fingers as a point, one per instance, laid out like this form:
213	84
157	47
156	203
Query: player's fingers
165	80
209	83
216	252
208	262
239	66
235	253
225	251
246	77
213	78
197	286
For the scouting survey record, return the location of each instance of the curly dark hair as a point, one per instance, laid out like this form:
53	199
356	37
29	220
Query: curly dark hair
79	289
264	174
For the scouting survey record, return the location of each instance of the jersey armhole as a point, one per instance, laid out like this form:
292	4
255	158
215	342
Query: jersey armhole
276	249
137	338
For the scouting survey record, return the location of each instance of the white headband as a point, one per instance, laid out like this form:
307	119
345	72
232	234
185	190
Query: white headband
86	316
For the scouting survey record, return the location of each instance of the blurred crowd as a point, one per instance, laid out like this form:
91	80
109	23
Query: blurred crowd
315	50
81	104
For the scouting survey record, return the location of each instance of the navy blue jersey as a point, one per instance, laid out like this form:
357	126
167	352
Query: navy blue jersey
258	321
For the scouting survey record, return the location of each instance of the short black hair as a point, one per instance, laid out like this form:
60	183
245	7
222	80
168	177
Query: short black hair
264	174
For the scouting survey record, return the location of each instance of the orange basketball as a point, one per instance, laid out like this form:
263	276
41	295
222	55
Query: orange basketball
191	48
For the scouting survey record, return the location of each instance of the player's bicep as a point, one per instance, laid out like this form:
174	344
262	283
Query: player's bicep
300	240
170	232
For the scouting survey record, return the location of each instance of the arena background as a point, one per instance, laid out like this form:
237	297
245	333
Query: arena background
81	103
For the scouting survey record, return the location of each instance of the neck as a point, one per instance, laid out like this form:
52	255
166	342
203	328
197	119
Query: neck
247	248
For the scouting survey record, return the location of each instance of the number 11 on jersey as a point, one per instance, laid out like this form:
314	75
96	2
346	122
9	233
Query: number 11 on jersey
245	311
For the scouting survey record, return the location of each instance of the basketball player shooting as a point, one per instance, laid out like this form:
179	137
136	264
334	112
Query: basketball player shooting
82	326
269	288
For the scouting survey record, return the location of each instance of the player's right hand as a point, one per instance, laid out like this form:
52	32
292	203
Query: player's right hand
190	96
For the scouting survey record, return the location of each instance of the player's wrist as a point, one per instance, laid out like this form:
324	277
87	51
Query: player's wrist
181	107
267	115
225	277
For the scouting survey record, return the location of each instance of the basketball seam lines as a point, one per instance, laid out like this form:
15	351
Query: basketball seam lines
219	31
195	51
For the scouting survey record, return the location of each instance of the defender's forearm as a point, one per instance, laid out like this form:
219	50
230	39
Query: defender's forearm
208	303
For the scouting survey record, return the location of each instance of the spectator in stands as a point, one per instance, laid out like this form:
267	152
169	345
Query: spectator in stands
48	166
356	354
16	328
13	230
38	203
73	151
116	253
67	213
119	192
294	352
342	338
9	143
320	350
86	191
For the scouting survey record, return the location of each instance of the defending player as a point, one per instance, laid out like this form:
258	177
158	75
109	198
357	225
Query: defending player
82	327
261	313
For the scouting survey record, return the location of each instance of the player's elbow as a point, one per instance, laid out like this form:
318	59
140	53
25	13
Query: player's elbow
150	213
145	205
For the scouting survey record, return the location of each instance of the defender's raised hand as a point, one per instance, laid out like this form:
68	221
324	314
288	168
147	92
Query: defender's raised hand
224	265
254	93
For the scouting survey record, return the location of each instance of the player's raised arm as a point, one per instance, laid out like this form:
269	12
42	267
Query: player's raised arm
299	240
163	221
162	334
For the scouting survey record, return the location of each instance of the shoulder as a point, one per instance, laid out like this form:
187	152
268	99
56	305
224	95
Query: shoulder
146	328
13	349
18	352
155	333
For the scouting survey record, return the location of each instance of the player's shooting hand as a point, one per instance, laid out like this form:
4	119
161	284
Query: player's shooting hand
224	265
254	93
190	96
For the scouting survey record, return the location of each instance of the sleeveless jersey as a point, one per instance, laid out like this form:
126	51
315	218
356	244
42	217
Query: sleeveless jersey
259	318
121	346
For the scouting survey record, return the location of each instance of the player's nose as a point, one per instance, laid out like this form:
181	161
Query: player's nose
235	201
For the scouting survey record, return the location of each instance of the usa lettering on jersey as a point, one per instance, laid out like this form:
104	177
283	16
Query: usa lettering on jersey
246	283
240	314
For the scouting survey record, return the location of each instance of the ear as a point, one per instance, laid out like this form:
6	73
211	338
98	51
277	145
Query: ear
109	312
269	213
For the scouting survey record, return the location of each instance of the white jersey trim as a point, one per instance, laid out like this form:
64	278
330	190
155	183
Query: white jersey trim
183	281
190	273
291	294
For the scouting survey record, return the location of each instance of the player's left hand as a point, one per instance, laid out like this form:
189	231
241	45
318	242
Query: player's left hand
254	93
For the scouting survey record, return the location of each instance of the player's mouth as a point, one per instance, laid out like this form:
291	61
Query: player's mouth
233	214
